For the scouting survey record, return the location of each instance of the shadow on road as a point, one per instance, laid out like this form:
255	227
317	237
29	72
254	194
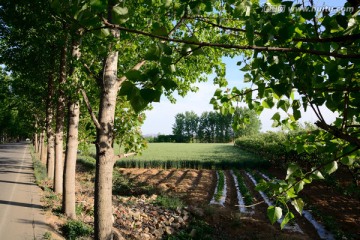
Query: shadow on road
28	205
23	183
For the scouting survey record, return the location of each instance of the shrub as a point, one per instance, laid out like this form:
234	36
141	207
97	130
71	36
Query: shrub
74	229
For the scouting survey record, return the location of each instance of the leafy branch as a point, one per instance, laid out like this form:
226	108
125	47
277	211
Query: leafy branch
233	46
337	39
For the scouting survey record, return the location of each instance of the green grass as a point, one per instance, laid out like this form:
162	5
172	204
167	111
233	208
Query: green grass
192	155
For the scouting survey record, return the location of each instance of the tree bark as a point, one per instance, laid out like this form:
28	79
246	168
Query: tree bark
104	149
49	128
68	203
60	115
36	143
42	147
70	160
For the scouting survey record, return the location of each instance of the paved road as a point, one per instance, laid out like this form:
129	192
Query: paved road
21	216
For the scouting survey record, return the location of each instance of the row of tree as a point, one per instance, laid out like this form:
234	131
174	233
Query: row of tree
211	127
116	57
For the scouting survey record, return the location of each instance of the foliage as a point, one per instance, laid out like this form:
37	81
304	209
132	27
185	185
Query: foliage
73	229
214	127
197	229
250	122
313	65
277	147
14	123
171	138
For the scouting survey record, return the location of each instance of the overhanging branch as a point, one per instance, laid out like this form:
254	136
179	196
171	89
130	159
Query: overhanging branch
230	46
337	39
338	133
121	156
91	112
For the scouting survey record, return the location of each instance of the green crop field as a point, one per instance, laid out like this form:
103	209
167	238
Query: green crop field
189	155
192	155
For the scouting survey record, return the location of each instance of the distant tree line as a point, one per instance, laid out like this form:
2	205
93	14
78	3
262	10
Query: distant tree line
212	127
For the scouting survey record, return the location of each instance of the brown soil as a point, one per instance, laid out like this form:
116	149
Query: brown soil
196	188
330	202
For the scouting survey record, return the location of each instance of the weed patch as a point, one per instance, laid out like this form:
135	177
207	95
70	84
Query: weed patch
74	229
169	202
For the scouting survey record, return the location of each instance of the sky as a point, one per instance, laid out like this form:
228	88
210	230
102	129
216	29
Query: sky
161	118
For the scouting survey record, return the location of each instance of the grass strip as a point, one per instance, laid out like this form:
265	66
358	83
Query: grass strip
248	199
220	185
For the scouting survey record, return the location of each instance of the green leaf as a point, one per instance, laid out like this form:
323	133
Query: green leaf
153	53
105	32
121	11
274	213
348	161
268	103
138	103
127	88
120	15
134	75
286	219
150	95
262	186
261	89
169	84
298	205
308	14
342	21
98	5
250	32
159	30
331	167
293	168
276	117
317	175
274	2
167	3
299	186
247	78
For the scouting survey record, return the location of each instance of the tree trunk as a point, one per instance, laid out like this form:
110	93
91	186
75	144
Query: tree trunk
43	149
70	160
49	129
104	150
36	143
60	115
68	203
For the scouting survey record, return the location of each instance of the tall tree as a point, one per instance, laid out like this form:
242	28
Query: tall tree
246	122
60	115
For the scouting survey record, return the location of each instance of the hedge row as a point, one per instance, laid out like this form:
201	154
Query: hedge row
273	146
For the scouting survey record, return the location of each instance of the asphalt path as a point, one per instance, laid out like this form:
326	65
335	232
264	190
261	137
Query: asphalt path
21	215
